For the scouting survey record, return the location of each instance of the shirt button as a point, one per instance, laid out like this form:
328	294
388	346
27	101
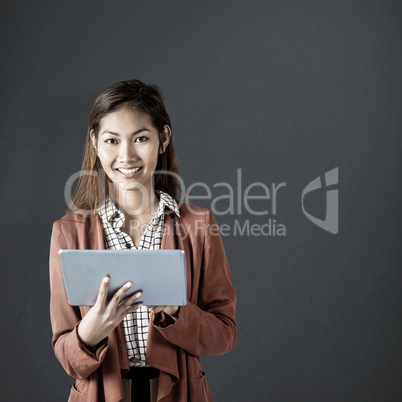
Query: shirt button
128	245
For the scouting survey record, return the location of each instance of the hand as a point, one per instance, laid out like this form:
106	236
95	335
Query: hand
105	316
169	310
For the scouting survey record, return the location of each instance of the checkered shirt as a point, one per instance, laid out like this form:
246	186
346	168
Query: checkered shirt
135	324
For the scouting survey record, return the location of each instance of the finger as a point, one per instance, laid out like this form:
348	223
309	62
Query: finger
103	291
157	309
130	300
118	296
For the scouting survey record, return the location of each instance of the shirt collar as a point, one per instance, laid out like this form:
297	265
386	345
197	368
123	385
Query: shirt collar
108	212
167	201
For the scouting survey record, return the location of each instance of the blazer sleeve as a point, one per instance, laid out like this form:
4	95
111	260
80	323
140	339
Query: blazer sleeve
76	359
208	327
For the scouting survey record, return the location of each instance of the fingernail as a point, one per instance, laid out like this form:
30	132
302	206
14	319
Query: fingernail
139	294
106	280
129	284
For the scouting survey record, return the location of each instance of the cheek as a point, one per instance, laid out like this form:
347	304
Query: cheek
153	160
105	158
150	155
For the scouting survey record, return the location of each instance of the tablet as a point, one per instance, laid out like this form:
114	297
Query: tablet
159	274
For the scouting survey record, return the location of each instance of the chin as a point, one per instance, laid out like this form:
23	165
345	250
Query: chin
131	186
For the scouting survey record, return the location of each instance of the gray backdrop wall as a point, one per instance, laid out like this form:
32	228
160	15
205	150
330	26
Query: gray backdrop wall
284	91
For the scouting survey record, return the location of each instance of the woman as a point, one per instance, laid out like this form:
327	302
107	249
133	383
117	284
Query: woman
127	198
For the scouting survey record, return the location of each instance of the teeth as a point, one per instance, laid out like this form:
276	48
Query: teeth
127	171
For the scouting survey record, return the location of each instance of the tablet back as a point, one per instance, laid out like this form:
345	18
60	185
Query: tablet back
160	274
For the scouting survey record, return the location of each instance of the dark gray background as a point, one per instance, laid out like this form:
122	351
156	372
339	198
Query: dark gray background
285	91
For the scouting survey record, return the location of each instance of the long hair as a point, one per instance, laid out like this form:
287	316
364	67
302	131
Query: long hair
93	185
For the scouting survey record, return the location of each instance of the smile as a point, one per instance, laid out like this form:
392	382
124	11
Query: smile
128	171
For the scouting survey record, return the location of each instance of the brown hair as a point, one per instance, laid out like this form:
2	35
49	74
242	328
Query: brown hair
93	185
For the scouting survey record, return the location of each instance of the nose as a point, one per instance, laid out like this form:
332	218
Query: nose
126	152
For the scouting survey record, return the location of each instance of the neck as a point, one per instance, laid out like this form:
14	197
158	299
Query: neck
135	202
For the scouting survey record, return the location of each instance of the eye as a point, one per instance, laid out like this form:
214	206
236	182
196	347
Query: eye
141	139
111	141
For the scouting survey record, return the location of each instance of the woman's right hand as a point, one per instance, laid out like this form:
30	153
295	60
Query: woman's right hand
105	316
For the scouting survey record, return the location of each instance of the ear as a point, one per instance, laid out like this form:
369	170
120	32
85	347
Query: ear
166	135
93	139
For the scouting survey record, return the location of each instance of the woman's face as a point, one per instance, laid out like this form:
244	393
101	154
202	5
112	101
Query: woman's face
128	149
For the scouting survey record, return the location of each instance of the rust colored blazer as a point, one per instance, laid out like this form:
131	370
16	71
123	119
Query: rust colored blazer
205	326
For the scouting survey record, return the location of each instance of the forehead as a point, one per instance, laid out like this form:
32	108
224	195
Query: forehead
125	119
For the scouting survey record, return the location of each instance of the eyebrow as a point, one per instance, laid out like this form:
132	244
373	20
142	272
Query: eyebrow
118	135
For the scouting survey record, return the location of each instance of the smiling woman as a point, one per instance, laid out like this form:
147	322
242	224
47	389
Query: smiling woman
142	108
127	198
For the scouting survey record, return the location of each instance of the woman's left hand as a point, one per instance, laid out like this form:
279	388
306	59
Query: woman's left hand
169	310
